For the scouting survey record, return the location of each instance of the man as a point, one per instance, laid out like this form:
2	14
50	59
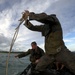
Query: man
35	54
54	44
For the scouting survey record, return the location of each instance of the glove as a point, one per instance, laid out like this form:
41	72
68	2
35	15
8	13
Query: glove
27	24
25	15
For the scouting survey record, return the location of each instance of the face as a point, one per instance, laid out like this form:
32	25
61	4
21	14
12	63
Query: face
33	46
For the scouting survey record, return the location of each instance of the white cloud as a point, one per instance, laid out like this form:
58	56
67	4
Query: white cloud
42	46
2	1
9	20
5	22
69	40
71	46
70	43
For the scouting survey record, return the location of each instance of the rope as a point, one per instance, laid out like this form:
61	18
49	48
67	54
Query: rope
12	43
20	61
24	17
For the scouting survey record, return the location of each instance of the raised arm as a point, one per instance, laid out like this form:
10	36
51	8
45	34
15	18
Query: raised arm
30	26
44	29
47	20
42	17
38	17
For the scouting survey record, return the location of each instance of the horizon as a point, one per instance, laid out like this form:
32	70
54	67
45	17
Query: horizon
10	13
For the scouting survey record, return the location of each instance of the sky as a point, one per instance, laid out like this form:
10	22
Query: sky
10	13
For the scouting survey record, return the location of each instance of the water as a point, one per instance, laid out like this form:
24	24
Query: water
15	65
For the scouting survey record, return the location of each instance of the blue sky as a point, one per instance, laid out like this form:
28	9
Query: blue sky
10	13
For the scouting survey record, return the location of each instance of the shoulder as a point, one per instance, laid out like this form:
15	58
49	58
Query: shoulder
29	50
40	48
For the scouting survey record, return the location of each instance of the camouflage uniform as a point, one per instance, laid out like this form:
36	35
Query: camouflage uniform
54	45
34	54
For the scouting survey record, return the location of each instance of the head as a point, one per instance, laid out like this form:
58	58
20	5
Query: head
34	45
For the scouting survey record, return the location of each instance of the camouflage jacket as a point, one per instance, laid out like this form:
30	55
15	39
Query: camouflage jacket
34	54
51	29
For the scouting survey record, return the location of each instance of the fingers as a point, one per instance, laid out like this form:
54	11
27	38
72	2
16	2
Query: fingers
37	61
16	56
27	12
62	66
25	15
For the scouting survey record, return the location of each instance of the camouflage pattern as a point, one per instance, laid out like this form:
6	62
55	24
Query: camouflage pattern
34	54
64	56
52	32
54	45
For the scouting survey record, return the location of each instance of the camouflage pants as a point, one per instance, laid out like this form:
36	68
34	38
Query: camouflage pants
64	56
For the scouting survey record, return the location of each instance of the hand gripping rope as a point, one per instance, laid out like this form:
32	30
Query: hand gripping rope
14	39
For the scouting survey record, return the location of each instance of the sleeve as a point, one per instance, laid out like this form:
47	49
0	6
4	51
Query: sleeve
30	26
33	16
42	17
24	54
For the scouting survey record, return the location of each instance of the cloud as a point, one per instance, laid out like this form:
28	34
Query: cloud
1	1
69	40
4	42
3	39
10	13
64	9
5	22
70	43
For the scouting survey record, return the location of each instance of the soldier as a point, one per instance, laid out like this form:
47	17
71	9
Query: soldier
35	54
54	44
